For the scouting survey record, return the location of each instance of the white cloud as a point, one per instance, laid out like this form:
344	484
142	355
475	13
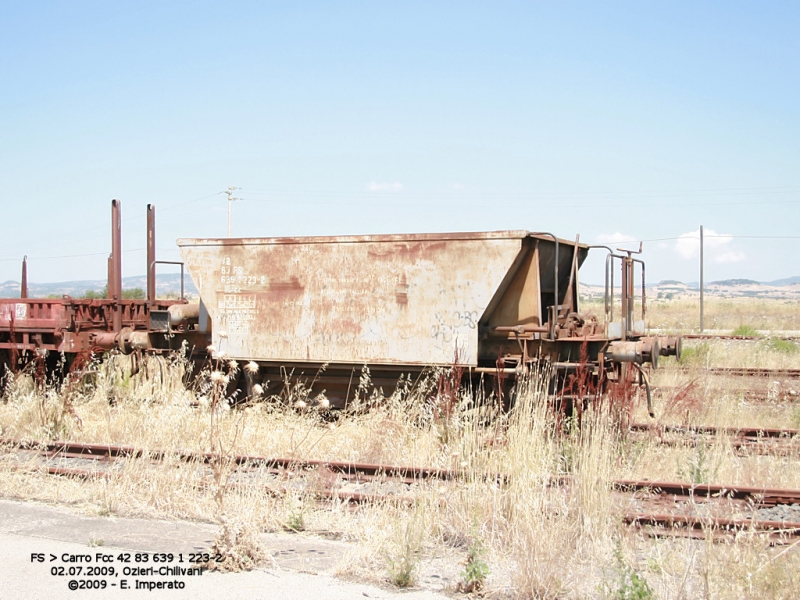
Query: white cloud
384	187
717	246
615	238
729	257
457	186
688	244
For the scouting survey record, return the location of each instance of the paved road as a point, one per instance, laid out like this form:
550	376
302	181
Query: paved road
38	543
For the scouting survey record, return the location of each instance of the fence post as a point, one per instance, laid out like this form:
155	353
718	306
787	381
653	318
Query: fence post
701	279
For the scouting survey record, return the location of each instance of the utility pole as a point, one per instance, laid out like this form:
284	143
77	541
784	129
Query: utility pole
231	200
701	279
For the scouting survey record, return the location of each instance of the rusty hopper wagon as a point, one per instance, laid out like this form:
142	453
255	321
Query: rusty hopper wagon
495	303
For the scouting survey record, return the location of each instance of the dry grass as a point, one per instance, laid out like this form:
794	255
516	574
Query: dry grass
722	315
541	541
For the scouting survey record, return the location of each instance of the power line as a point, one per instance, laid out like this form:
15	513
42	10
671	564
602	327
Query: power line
30	258
721	235
425	200
761	237
462	192
71	236
458	194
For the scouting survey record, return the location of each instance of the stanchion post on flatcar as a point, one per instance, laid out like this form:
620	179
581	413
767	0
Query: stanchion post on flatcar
151	254
115	284
23	285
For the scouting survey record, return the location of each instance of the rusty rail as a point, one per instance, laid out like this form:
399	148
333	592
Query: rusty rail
767	441
755	433
747	395
746	372
754	496
111	451
762	496
744	338
668	521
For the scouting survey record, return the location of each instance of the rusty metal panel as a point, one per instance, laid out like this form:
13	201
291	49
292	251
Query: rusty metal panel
519	303
30	314
396	299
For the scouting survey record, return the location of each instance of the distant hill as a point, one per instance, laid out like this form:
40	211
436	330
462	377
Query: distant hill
694	285
167	284
736	282
670	289
787	281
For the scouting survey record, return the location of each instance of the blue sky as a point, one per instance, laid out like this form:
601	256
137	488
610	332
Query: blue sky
615	121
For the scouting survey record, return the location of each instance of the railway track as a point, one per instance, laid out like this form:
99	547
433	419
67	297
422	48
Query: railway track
658	507
743	338
749	433
696	510
346	481
757	396
755	372
744	372
748	440
112	451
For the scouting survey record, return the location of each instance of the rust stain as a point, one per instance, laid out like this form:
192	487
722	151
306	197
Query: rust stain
408	251
349	326
285	287
401	291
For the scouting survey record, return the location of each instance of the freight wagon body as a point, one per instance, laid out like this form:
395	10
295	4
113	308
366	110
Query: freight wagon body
51	333
382	300
72	326
492	302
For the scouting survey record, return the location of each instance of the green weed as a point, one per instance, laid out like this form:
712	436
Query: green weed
701	467
476	571
782	346
695	355
745	331
403	560
296	519
630	585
